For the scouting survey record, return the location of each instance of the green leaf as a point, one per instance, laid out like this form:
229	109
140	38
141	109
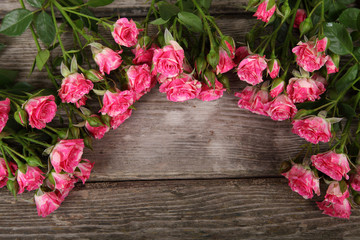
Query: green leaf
16	22
89	23
191	21
41	58
347	79
343	186
167	10
346	110
45	28
7	77
99	3
349	16
335	10
36	3
22	86
159	21
205	3
340	40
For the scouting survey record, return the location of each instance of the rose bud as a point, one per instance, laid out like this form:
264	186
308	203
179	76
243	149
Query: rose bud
125	32
254	99
240	54
225	63
333	164
300	17
210	93
321	44
63	181
341	210
139	78
94	75
41	110
308	57
303	181
281	108
332	64
66	155
21	117
335	194
168	61
85	167
277	87
251	68
265	11
74	87
181	88
107	59
143	55
305	26
304	89
4	113
117	103
355	180
313	129
97	132
116	121
46	203
4	171
31	179
273	68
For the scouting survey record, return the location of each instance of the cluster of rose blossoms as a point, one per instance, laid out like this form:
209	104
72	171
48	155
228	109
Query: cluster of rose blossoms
279	104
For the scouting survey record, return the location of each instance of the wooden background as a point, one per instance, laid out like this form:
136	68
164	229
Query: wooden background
193	170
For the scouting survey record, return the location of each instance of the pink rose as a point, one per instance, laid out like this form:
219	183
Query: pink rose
143	55
4	172
277	88
117	103
181	89
97	132
225	63
140	79
330	66
81	102
282	108
120	118
304	89
332	164
74	87
318	78
255	100
299	18
262	13
41	110
66	155
308	57
334	193
63	181
46	203
341	210
321	44
240	54
4	113
250	69
168	61
303	181
106	59
125	32
355	180
85	167
273	68
30	180
210	93
313	129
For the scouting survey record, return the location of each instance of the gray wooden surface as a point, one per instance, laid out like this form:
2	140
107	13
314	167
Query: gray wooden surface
193	170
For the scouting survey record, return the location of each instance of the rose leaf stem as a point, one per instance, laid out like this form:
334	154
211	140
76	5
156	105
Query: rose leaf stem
36	141
6	162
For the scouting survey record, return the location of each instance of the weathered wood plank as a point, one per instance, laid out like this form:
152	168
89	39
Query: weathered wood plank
202	209
139	8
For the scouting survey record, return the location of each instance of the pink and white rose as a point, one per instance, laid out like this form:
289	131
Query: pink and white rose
4	113
63	181
240	54
330	66
74	87
4	172
46	203
303	181
225	62
67	154
313	129
125	32
334	193
143	55
107	59
31	180
308	57
304	89
251	69
299	18
117	103
140	78
263	12
254	99
41	110
273	68
210	93
168	61
277	88
85	167
333	164
181	88
120	118
281	108
97	132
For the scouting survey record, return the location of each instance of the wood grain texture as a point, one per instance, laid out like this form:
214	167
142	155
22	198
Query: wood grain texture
139	8
202	209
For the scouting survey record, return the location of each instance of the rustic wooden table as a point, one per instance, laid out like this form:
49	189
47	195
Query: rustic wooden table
192	170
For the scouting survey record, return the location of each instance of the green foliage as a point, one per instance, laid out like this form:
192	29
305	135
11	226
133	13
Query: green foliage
340	40
191	21
16	22
36	3
45	28
347	79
